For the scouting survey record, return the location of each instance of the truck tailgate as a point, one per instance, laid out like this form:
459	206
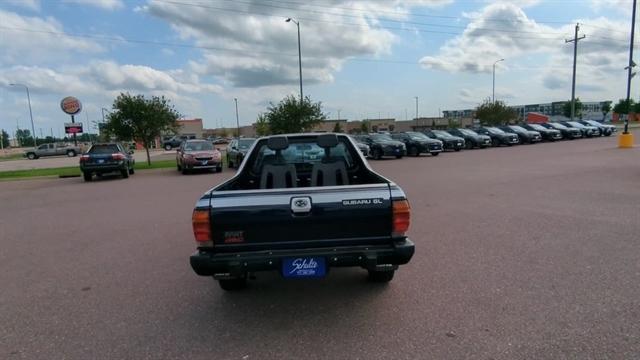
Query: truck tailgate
301	218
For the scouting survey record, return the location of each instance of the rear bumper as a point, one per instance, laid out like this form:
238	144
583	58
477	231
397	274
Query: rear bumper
229	265
104	168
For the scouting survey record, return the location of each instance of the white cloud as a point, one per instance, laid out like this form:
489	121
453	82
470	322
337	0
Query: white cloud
102	4
266	46
25	39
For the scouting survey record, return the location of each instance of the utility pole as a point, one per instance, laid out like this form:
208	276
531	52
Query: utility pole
630	67
416	107
237	117
575	55
338	114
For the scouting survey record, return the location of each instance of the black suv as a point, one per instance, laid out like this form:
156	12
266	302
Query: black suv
525	136
107	158
383	145
567	133
547	134
499	137
237	149
471	138
418	143
450	142
175	141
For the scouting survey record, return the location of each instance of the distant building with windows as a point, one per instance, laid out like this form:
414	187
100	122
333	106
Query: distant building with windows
590	110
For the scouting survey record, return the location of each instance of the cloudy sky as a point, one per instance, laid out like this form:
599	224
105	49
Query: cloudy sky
366	59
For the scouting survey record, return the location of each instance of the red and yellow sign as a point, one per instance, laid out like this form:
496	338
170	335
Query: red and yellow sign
71	105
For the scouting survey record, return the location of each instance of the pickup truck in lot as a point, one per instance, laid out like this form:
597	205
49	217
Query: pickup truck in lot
52	150
301	204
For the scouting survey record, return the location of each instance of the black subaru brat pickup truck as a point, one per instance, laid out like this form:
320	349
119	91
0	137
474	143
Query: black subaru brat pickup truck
300	205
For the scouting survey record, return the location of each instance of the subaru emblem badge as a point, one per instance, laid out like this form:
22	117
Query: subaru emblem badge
300	205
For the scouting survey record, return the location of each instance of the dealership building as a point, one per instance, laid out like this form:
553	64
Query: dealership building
590	110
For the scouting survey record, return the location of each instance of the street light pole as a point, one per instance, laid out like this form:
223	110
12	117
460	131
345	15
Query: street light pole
630	67
493	96
237	117
416	107
33	128
299	56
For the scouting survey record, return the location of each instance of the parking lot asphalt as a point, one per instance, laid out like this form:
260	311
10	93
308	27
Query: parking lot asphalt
529	252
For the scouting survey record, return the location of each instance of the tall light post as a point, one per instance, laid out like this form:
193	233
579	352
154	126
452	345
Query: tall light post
493	96
416	107
299	55
237	117
33	128
630	67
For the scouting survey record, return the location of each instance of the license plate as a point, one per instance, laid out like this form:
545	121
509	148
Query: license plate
100	161
304	267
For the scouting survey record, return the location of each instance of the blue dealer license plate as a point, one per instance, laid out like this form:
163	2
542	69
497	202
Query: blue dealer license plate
304	267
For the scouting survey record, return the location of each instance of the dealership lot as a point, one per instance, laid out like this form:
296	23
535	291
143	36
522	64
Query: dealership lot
523	252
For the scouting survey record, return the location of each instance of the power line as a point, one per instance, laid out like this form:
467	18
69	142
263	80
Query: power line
367	26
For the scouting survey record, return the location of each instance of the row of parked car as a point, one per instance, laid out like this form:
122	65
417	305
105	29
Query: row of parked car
201	154
414	143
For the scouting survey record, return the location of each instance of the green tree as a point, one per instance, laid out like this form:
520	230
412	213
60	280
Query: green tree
605	108
140	119
262	126
623	106
293	116
495	113
337	128
566	109
4	138
364	127
24	137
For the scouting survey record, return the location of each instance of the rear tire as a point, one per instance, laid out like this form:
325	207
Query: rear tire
124	173
469	145
87	176
376	154
381	276
167	147
233	284
71	153
495	142
435	154
413	151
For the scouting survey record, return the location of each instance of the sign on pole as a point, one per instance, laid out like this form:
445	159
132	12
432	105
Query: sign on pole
71	105
73	128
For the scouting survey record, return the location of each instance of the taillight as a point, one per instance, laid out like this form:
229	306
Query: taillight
84	158
401	217
201	225
117	156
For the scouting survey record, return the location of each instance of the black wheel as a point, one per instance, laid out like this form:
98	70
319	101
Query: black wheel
184	171
509	144
71	153
124	173
31	156
413	151
398	156
131	171
381	276
435	154
495	142
167	147
607	133
219	168
87	176
233	284
457	149
376	154
237	162
469	145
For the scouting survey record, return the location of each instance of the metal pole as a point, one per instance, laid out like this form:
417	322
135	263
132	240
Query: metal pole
33	128
493	96
633	25
75	139
416	107
300	62
338	114
237	118
573	81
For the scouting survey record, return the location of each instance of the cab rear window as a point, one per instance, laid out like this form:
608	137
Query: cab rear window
104	149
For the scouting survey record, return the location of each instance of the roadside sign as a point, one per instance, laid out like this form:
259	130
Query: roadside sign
73	128
71	105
